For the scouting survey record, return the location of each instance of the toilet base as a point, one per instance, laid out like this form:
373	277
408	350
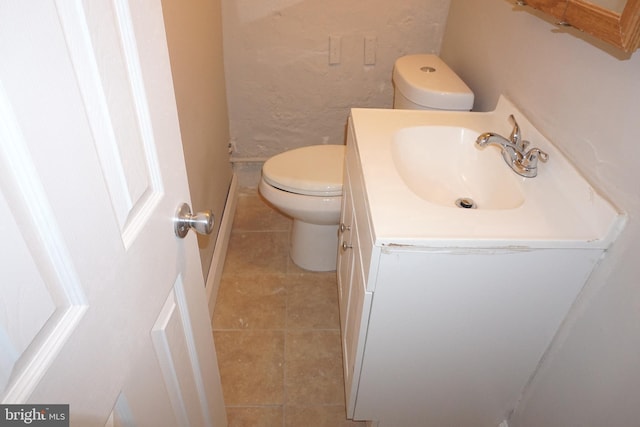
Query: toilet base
314	247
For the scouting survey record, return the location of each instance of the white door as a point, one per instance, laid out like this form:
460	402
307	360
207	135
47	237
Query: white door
101	306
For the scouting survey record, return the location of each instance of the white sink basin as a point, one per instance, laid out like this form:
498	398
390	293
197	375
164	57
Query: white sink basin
416	164
442	165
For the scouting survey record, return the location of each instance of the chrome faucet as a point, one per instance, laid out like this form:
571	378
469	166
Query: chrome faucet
514	150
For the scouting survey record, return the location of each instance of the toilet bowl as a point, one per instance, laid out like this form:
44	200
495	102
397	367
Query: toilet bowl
306	184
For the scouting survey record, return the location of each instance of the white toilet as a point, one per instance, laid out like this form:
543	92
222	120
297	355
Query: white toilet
306	183
425	82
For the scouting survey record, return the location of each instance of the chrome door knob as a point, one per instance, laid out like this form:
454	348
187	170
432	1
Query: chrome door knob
201	222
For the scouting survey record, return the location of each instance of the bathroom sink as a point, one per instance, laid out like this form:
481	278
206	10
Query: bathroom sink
415	165
442	165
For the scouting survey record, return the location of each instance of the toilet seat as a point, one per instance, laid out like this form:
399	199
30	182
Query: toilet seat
316	170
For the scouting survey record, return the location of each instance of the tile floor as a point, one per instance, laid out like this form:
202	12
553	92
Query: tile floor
277	329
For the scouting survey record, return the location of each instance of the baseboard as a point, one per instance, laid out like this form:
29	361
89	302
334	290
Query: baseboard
222	243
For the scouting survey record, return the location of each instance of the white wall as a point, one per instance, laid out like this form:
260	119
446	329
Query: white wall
587	101
194	35
282	91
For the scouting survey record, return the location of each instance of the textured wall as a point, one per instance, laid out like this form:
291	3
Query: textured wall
586	100
282	91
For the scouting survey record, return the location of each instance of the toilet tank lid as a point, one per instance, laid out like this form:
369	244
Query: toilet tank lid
428	81
316	170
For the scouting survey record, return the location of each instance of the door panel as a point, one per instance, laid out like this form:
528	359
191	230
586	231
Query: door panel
42	299
104	307
172	340
102	46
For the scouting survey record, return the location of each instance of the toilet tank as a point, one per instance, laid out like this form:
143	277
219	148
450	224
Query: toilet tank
425	82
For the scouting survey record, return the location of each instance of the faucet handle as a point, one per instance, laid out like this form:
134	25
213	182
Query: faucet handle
515	136
530	159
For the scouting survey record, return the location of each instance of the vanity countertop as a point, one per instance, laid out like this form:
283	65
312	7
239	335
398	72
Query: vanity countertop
560	208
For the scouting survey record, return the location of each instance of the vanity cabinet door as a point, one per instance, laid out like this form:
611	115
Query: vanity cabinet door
355	329
345	255
350	286
355	302
354	263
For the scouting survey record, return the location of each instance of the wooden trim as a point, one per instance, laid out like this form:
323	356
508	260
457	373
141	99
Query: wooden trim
630	23
620	30
552	7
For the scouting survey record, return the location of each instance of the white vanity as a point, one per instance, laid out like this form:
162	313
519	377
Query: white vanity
446	312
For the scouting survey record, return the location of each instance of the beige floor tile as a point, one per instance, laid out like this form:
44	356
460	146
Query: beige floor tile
292	268
257	252
305	344
251	301
312	301
318	416
251	366
314	382
265	416
254	214
277	329
313	368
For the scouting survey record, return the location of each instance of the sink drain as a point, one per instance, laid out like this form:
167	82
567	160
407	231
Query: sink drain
466	203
